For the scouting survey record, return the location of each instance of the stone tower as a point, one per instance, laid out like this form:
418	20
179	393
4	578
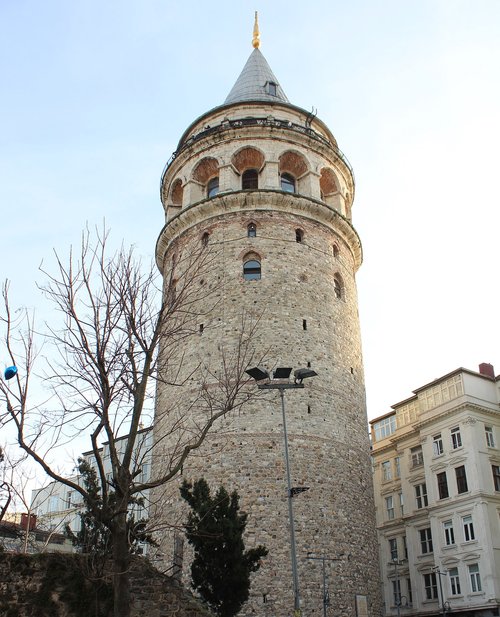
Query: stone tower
262	185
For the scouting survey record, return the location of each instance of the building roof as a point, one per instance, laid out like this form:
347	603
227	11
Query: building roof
253	82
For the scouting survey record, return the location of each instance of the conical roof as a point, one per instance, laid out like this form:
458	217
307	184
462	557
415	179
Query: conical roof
256	82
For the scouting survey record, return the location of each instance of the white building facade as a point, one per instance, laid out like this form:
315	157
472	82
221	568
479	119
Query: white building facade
436	460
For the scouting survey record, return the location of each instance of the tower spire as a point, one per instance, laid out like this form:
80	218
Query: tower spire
256	33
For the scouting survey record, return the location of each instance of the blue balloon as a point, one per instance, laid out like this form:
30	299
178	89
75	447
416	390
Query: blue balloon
10	372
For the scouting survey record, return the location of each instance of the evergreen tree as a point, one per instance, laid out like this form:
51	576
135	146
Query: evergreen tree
221	568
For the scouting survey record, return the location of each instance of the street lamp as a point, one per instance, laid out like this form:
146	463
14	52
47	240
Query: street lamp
398	597
281	381
444	605
326	593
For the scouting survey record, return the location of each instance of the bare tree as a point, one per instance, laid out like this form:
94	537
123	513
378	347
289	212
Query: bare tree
102	372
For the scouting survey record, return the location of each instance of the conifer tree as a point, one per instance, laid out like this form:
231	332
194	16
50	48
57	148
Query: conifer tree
221	567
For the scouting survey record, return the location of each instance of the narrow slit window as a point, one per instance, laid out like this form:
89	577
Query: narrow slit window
304	324
299	235
204	239
201	328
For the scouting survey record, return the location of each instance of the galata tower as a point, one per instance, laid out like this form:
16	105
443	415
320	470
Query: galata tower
262	186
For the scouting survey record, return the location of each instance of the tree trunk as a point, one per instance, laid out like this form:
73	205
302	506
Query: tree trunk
121	564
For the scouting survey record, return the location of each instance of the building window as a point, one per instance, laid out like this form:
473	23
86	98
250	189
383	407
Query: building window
409	591
475	579
287	182
437	445
401	504
338	286
421	495
250	179
271	88
405	547
417	456
252	230
251	270
384	428
335	251
461	479
490	440
389	507
468	527
397	467
54	503
426	540
456	438
496	476
442	485
396	592
430	585
204	239
299	235
449	533
454	581
213	187
393	548
386	471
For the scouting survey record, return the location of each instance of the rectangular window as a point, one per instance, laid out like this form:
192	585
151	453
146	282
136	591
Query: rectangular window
409	591
405	547
437	445
430	584
396	592
442	485
401	504
54	503
421	495
454	581
386	471
393	548
449	533
456	438
468	526
426	540
496	476
475	579
69	499
490	440
461	479
384	427
417	457
389	507
397	467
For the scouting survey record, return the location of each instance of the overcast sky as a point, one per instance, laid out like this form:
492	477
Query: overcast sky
96	94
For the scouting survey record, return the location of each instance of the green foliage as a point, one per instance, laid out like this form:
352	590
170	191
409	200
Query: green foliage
221	567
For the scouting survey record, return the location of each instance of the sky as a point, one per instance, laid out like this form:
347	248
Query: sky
95	96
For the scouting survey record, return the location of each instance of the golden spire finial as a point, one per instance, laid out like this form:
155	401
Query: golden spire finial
256	35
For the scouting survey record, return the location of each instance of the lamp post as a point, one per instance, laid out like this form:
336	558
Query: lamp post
281	381
440	574
323	559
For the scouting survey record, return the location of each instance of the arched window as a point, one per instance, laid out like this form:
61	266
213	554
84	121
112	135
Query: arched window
251	270
338	286
250	179
213	187
335	251
299	235
287	182
204	238
252	230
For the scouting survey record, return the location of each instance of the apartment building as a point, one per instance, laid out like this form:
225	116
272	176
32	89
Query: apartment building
436	465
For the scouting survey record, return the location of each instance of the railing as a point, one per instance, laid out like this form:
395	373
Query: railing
265	122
